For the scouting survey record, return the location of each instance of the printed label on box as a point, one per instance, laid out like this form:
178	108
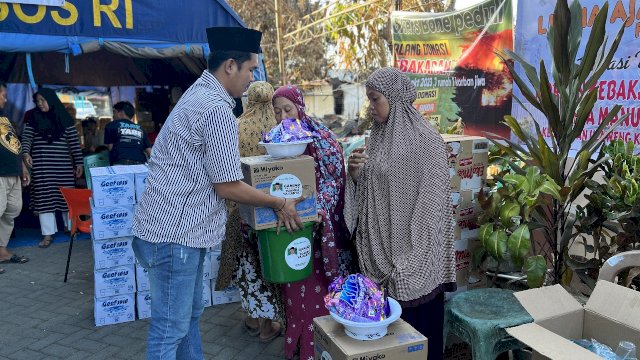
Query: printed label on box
286	186
142	278
114	281
143	304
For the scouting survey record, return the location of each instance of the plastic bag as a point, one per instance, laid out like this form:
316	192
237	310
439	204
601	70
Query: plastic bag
289	130
626	350
357	298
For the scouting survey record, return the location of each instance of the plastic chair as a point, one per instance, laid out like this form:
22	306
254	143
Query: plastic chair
95	160
78	204
480	316
618	263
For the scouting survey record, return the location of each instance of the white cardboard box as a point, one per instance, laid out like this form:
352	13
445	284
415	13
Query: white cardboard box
114	281
143	304
611	315
206	267
206	293
114	309
140	177
112	186
214	257
110	253
111	222
142	278
226	296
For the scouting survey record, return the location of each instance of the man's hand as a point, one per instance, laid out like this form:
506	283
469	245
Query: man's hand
288	215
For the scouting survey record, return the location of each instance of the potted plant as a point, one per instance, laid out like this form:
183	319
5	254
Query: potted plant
507	222
566	111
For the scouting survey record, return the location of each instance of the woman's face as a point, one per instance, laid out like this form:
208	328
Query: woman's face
284	109
379	106
42	103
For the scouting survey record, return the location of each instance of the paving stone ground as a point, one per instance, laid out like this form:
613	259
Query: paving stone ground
41	317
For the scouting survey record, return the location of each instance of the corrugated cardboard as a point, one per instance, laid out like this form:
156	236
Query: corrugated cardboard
402	342
114	310
611	315
468	161
295	177
112	186
110	253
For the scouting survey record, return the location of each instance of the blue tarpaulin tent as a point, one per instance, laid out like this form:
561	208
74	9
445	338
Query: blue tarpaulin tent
109	42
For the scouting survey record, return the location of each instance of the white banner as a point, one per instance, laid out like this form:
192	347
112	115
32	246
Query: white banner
620	84
37	2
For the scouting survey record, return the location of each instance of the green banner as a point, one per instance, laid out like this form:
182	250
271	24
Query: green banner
451	59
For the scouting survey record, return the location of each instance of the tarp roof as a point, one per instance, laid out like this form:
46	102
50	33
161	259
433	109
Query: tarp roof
108	43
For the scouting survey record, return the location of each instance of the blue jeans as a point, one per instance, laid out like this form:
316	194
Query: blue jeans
175	280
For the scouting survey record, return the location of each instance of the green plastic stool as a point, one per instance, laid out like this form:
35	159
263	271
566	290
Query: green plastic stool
95	160
480	316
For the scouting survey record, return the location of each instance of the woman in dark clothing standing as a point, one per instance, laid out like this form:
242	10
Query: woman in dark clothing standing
51	147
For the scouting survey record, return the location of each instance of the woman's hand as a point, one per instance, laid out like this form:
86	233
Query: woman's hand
26	177
355	162
27	160
79	171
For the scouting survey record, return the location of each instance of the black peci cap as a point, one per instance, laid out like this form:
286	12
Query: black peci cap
234	39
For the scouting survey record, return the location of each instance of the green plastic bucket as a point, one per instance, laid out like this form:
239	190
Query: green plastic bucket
286	257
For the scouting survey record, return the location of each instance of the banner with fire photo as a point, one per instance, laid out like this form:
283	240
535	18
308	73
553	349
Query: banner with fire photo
619	84
450	58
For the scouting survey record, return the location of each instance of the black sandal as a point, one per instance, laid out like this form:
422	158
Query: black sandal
45	243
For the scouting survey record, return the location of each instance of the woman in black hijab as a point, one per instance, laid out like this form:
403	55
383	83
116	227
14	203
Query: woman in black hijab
51	147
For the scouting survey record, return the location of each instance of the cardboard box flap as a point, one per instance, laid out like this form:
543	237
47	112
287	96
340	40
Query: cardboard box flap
548	302
616	303
549	344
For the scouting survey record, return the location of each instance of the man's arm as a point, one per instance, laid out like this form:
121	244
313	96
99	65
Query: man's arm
285	209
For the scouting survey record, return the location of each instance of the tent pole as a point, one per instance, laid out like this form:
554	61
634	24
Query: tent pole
283	76
32	81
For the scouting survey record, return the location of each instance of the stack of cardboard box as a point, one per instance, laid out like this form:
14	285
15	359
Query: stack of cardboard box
112	208
468	162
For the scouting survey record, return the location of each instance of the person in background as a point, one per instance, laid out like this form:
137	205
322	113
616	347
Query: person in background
195	167
333	256
154	134
90	135
51	147
13	177
260	299
127	142
398	203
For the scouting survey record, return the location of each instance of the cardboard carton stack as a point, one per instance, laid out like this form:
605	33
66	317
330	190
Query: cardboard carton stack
226	296
468	162
112	207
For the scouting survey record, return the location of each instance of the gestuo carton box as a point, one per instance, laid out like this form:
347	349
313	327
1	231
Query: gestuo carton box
611	315
112	185
226	296
206	267
214	258
468	161
142	278
113	252
143	304
288	178
140	173
206	293
114	281
111	222
402	342
114	309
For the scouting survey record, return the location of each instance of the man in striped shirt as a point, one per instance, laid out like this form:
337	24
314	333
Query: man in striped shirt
195	166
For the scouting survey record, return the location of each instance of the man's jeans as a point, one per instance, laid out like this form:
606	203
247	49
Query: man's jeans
175	279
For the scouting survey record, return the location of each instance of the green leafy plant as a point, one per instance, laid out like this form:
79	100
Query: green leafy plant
566	111
507	221
612	214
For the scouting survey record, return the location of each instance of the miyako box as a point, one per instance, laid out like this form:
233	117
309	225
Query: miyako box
401	342
114	310
288	178
114	281
111	222
113	252
112	186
